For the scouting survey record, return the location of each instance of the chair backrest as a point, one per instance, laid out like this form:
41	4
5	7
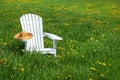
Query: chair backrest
33	24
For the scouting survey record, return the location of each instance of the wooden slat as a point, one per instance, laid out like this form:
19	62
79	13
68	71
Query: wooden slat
34	30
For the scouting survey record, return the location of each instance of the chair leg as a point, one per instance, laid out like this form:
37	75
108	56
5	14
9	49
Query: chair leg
54	44
55	55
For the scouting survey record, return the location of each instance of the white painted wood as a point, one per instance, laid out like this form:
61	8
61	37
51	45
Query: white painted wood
33	24
52	36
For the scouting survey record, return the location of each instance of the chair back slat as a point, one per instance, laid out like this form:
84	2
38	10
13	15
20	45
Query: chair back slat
33	24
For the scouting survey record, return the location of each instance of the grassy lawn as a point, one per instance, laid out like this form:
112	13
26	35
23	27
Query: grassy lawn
90	48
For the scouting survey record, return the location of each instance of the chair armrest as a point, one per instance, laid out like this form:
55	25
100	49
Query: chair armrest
52	36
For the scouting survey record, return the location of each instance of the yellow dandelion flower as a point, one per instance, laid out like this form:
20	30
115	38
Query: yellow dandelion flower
58	77
59	48
102	75
90	79
115	29
15	68
68	52
4	43
103	35
59	32
98	21
3	61
82	56
66	24
59	56
49	56
94	30
22	69
101	63
69	76
92	38
104	64
93	69
108	22
98	62
43	66
96	40
20	65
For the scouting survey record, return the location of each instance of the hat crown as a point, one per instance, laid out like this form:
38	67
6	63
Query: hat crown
23	33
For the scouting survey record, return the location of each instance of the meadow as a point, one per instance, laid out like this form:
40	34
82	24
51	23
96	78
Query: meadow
90	48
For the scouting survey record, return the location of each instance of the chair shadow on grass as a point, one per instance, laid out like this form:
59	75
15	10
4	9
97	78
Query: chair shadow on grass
15	47
18	48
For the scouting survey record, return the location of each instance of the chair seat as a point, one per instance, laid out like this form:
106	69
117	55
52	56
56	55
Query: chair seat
44	50
47	50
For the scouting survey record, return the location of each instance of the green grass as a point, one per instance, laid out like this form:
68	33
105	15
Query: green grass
90	48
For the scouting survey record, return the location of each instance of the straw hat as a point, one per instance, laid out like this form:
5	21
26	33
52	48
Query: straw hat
23	35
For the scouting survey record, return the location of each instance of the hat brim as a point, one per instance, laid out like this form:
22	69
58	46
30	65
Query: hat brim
17	36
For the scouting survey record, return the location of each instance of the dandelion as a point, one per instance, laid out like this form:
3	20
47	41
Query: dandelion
94	30
102	75
66	24
91	11
43	66
103	35
12	76
22	69
90	79
69	76
59	48
59	56
104	64
96	40
20	65
114	12
92	38
108	22
68	52
98	62
59	32
49	56
4	43
3	61
58	77
115	29
82	56
83	19
101	63
98	21
93	69
15	68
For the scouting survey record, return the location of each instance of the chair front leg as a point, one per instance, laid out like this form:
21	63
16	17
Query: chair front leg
54	44
54	47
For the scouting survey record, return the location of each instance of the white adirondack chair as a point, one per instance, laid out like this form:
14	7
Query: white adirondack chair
32	23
